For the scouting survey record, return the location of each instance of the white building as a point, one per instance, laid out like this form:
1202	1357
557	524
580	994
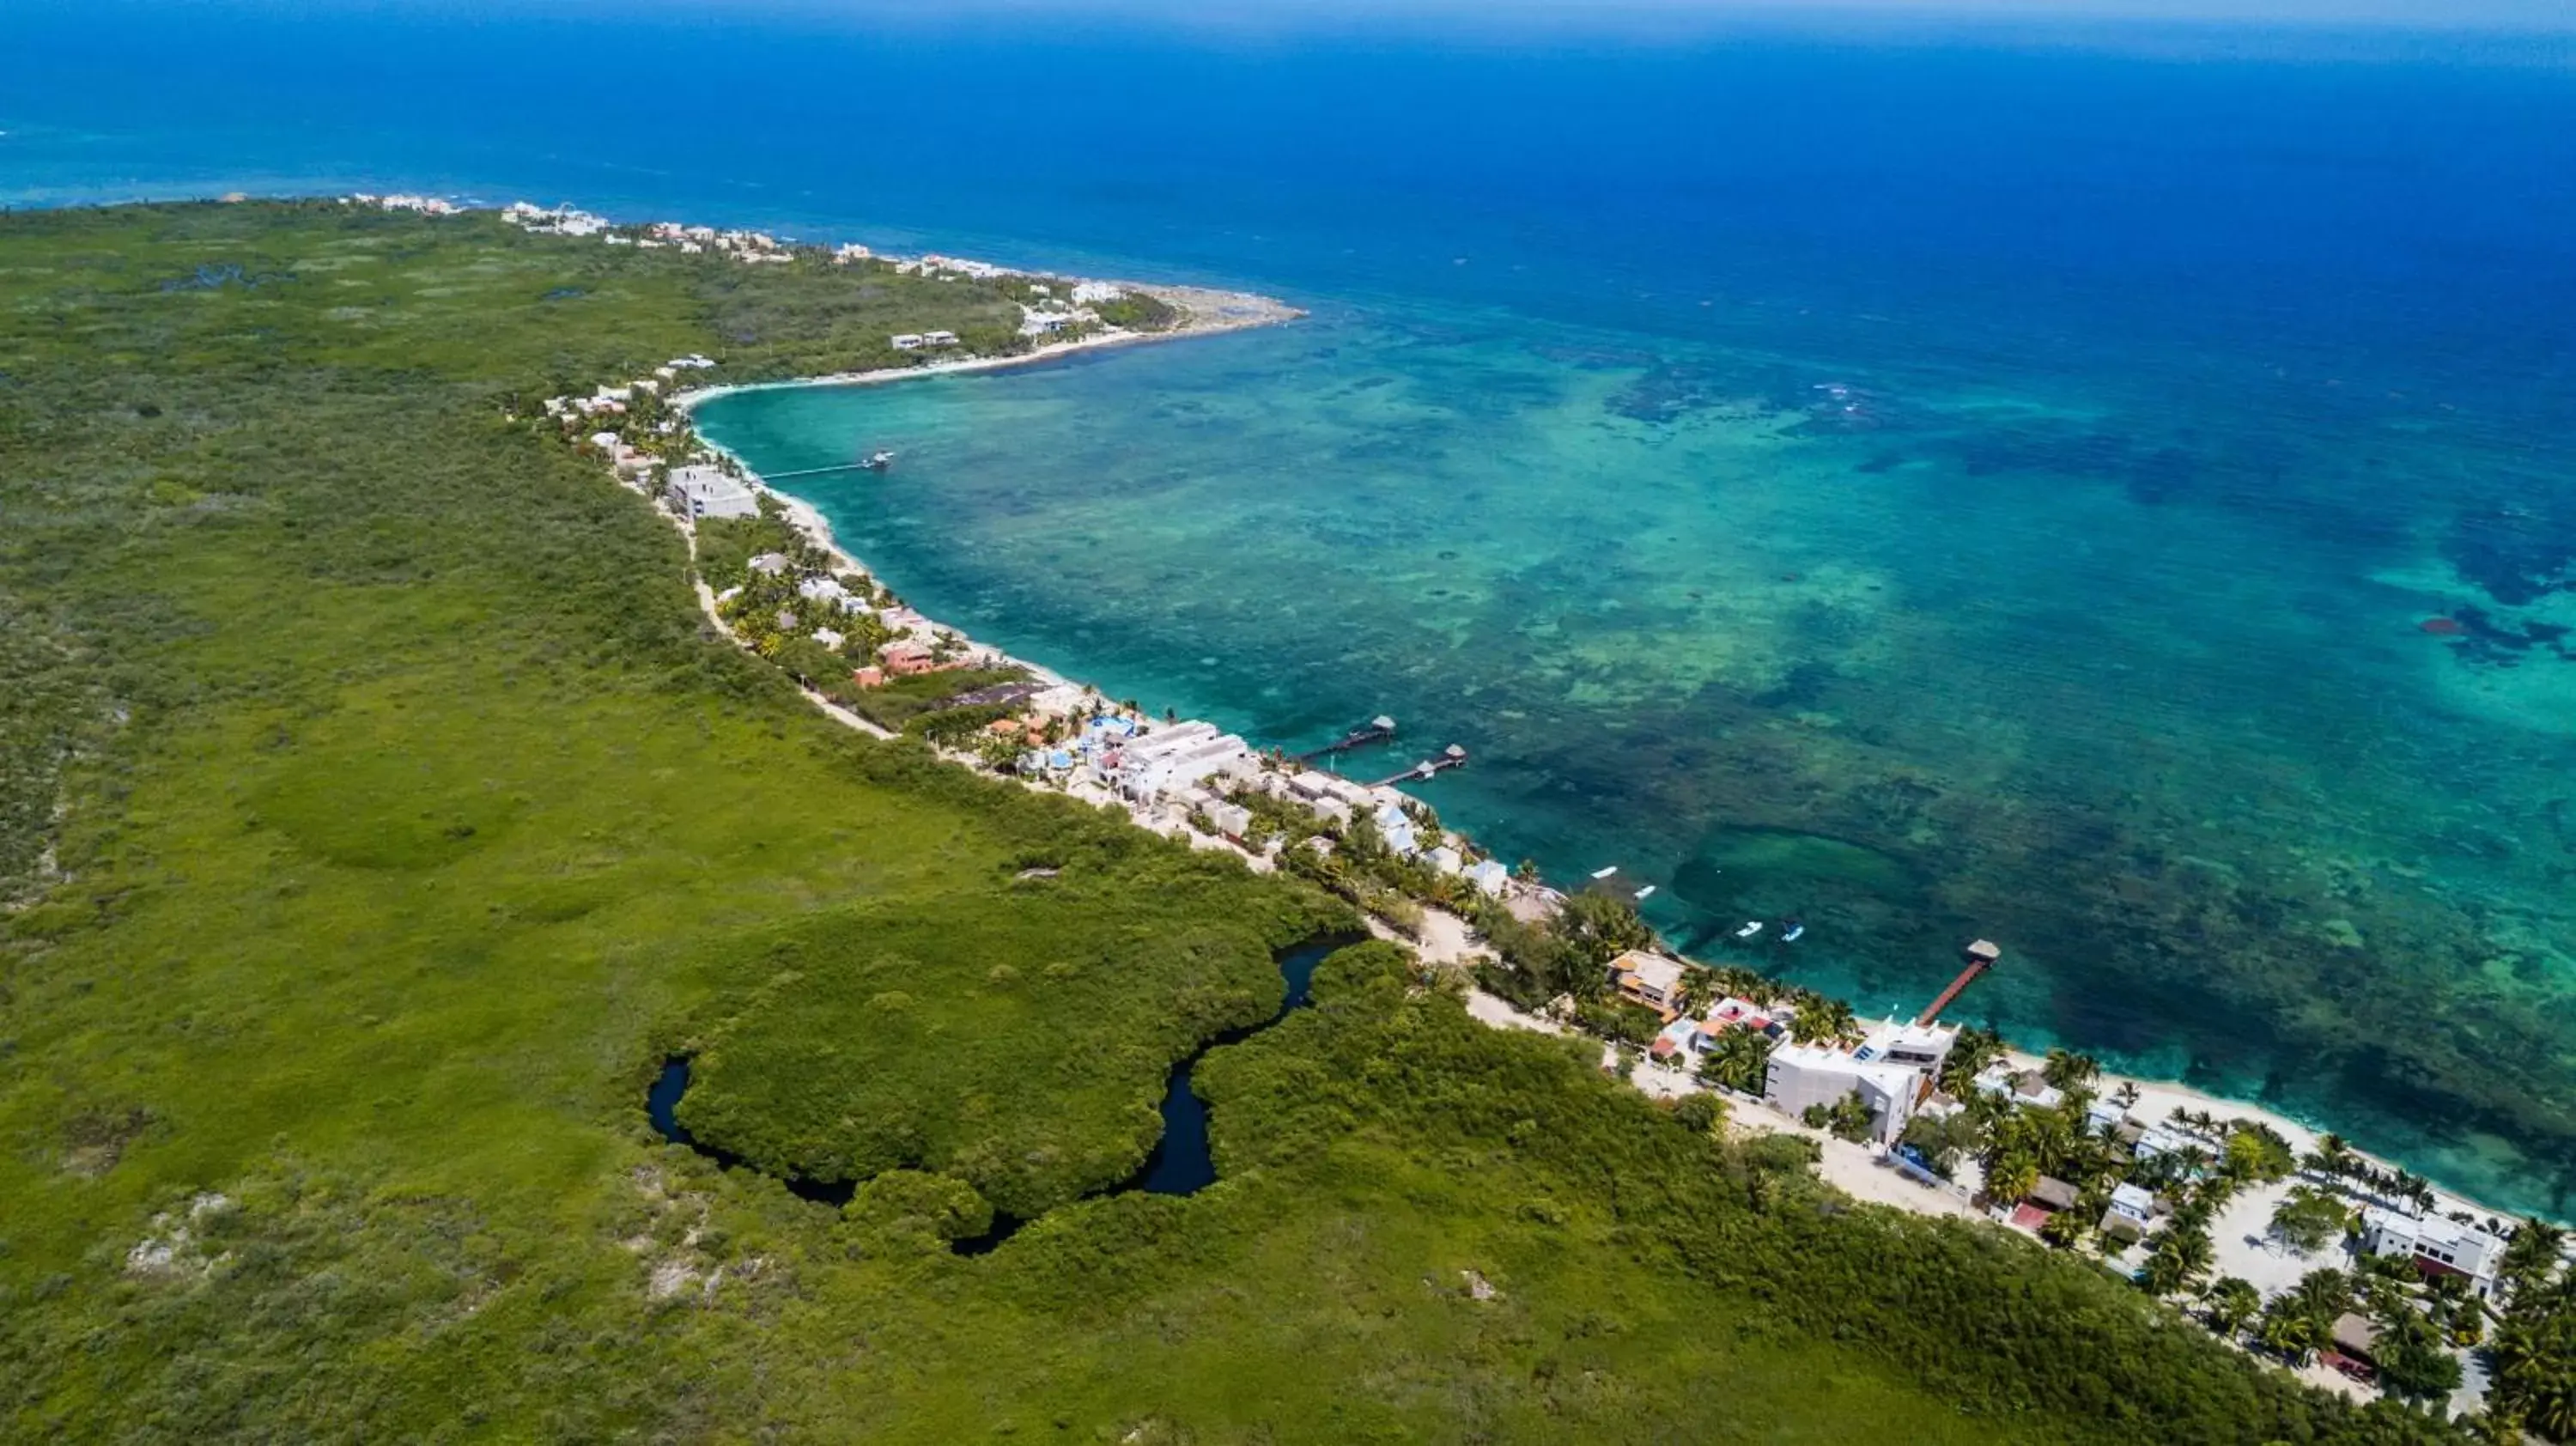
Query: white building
1892	1070
2019	1086
560	221
1919	1047
1396	827
1490	877
829	590
1803	1076
2157	1140
426	205
1182	756
696	492
1091	292
2438	1244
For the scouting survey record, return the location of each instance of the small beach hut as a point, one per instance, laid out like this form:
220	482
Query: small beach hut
2051	1194
2354	1346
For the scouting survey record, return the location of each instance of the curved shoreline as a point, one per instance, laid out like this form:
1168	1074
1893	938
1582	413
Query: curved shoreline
810	519
1254	311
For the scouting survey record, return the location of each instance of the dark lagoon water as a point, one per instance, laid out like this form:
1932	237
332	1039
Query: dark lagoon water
1181	1162
1925	483
662	1108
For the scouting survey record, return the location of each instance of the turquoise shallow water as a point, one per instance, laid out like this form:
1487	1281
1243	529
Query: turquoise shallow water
2133	683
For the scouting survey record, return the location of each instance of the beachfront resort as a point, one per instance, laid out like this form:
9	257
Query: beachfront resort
2285	1242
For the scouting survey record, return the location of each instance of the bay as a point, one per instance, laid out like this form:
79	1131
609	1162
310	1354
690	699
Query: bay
1930	484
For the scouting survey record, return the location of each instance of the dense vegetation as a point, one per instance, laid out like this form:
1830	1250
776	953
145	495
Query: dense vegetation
411	815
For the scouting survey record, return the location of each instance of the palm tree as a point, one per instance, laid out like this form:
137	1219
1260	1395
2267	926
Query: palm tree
2412	1361
2068	1070
2552	1401
2065	1229
2197	1211
1974	1049
2331	1156
2181	1251
2011	1176
2322	1294
2232	1303
2126	1095
1819	1019
2307	1219
2497	1425
1740	1060
2289	1332
2531	1254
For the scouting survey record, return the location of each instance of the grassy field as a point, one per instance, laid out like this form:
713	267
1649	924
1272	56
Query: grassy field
410	818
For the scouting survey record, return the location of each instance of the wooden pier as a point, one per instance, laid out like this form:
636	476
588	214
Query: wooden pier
819	471
1981	956
1376	730
1452	756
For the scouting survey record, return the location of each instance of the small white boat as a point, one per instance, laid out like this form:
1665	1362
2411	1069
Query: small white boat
1795	930
1751	928
1605	873
1645	893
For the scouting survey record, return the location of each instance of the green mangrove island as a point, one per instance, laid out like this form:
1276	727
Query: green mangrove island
382	816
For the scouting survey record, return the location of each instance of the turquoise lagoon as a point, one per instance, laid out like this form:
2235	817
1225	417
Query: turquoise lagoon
2134	682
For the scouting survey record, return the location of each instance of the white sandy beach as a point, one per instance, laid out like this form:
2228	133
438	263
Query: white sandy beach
1204	312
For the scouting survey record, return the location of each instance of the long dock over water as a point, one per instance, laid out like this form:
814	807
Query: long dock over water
1452	756
819	471
1376	730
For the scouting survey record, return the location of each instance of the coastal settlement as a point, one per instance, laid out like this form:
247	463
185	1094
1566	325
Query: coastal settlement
2285	1242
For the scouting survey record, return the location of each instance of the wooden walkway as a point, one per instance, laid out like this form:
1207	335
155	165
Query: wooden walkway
817	471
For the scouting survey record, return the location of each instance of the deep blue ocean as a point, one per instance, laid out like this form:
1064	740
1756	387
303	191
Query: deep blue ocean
1931	483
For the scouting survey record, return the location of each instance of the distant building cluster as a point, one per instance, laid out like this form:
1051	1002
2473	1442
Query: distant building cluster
1046	314
935	265
560	221
425	205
